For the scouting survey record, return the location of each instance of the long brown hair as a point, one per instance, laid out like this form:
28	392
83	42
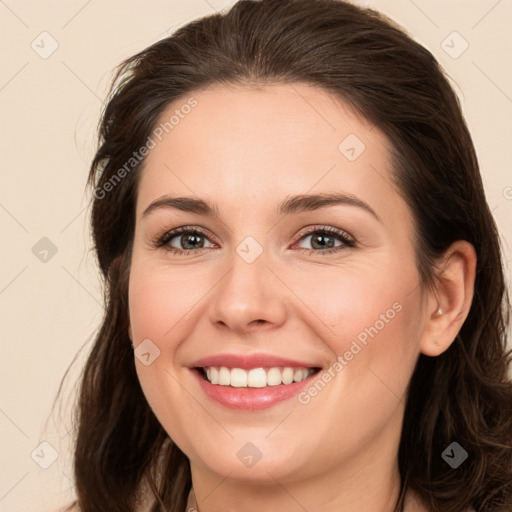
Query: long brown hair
464	395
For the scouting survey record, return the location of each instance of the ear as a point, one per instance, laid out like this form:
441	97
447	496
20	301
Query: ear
449	303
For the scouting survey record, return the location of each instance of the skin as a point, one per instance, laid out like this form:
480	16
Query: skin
246	149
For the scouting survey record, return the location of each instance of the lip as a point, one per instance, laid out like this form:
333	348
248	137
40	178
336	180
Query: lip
249	398
248	361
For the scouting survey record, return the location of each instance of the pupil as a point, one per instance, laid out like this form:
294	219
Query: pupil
323	243
185	238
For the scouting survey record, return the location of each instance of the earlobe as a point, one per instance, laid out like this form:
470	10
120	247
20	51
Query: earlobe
449	303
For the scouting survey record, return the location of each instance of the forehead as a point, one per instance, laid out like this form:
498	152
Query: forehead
239	145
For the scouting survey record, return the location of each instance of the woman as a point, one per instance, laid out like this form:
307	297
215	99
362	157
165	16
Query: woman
305	301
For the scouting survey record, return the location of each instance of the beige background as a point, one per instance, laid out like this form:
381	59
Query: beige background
50	108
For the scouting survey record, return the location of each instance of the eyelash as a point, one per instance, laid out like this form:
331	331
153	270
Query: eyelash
162	240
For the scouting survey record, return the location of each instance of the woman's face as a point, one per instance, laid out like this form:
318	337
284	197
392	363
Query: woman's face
260	278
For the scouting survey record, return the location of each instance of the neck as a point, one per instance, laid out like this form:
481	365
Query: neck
412	503
370	481
366	478
292	497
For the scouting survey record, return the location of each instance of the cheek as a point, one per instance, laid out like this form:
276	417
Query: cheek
350	303
160	301
371	322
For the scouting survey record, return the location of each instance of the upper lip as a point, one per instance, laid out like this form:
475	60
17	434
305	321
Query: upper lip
248	361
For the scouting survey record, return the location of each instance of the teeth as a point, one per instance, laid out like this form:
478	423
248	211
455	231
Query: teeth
274	377
256	377
287	375
224	376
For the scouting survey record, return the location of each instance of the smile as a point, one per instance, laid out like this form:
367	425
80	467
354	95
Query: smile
255	377
254	388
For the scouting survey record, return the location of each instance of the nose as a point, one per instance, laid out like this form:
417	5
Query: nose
249	297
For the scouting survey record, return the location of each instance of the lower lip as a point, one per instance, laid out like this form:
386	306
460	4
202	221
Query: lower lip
251	398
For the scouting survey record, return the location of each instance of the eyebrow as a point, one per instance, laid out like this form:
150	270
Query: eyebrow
293	204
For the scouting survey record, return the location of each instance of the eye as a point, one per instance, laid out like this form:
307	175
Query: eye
323	239
188	240
192	239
